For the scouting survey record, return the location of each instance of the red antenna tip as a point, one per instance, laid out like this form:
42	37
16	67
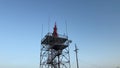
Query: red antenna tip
55	31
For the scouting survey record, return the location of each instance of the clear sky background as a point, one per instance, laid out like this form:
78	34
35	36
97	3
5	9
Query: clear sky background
94	25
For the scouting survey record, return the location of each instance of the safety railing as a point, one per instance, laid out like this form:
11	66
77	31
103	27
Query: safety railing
59	35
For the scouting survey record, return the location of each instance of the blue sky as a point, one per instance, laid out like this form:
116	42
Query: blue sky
94	25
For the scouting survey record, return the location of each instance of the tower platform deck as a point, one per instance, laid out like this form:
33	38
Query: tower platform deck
49	39
56	43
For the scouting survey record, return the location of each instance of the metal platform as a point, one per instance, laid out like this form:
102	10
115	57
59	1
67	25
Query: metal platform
59	47
49	39
56	43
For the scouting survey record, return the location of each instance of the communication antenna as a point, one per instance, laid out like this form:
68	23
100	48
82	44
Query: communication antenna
76	51
42	32
66	27
49	24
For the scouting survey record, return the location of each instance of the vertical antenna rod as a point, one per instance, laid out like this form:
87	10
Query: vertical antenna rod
49	25
76	51
66	27
42	32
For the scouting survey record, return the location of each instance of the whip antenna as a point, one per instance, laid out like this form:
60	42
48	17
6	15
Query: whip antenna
66	27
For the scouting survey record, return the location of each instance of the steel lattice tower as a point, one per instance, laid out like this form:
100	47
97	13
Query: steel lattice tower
54	52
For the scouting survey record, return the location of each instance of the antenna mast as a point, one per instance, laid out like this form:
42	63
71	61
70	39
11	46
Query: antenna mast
66	27
49	24
76	51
